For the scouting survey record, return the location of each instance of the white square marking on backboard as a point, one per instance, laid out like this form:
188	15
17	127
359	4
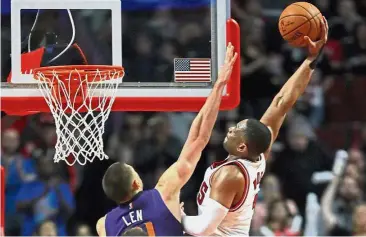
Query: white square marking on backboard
17	5
222	12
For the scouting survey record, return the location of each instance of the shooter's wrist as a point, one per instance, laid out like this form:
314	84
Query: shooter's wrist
310	58
308	61
314	60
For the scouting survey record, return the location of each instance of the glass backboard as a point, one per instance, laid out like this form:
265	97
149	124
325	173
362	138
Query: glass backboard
171	50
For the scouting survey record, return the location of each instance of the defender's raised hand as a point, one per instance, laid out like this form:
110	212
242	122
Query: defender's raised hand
227	68
314	48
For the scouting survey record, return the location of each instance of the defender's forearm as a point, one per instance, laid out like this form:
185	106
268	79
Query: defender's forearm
210	111
295	86
201	126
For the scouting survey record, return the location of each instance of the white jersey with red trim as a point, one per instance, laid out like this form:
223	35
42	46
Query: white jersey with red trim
239	217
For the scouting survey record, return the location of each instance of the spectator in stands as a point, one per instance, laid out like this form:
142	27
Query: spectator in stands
44	137
253	15
359	221
302	155
47	228
338	203
355	51
344	24
353	172
357	158
165	68
270	191
255	73
162	24
47	198
83	230
280	221
191	38
159	150
17	170
324	7
142	66
314	95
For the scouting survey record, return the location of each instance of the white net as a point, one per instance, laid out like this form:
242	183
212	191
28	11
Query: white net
80	105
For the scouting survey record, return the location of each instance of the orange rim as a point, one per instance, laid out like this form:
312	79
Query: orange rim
85	71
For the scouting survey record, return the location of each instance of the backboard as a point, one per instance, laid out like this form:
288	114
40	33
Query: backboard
171	50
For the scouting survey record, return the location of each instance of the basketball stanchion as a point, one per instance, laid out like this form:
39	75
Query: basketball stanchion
80	99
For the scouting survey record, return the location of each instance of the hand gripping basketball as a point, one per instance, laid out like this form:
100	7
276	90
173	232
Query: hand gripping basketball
227	68
314	48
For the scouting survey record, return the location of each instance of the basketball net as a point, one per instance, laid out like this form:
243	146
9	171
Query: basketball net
80	99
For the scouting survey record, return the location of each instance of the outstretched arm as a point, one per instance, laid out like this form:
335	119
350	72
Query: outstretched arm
294	87
179	173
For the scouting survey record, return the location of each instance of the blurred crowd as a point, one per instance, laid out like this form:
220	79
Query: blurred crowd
315	178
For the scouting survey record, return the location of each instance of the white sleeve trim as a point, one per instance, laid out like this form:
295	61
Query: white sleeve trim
207	222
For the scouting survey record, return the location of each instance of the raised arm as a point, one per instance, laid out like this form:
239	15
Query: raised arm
294	87
179	173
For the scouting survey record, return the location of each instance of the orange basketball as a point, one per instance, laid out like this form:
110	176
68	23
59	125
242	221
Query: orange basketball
298	20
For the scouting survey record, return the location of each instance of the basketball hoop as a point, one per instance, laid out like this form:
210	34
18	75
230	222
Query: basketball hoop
80	98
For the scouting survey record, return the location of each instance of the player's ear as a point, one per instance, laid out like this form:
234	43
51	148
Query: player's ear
135	185
241	148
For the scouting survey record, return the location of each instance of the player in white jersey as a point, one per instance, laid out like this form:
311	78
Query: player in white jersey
228	193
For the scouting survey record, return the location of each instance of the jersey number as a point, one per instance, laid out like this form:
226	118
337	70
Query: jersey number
202	193
148	227
256	182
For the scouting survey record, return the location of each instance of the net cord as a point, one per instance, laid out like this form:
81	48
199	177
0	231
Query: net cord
79	134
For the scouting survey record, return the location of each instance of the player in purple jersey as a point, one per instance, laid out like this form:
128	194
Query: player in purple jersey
157	211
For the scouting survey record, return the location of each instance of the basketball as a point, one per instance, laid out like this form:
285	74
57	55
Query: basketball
298	20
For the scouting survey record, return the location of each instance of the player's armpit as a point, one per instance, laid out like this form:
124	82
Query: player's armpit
101	227
226	185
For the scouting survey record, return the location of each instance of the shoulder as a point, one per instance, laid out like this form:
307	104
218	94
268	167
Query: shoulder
101	221
100	226
228	177
152	194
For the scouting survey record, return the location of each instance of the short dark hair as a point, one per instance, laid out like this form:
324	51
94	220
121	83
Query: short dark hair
117	182
257	136
136	231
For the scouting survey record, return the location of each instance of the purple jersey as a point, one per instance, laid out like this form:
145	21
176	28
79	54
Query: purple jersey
146	210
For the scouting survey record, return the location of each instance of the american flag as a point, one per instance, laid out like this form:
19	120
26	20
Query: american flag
192	70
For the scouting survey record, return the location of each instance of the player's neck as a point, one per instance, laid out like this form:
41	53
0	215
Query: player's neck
133	195
232	157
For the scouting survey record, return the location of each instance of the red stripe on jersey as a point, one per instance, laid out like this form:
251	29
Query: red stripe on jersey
247	185
218	163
